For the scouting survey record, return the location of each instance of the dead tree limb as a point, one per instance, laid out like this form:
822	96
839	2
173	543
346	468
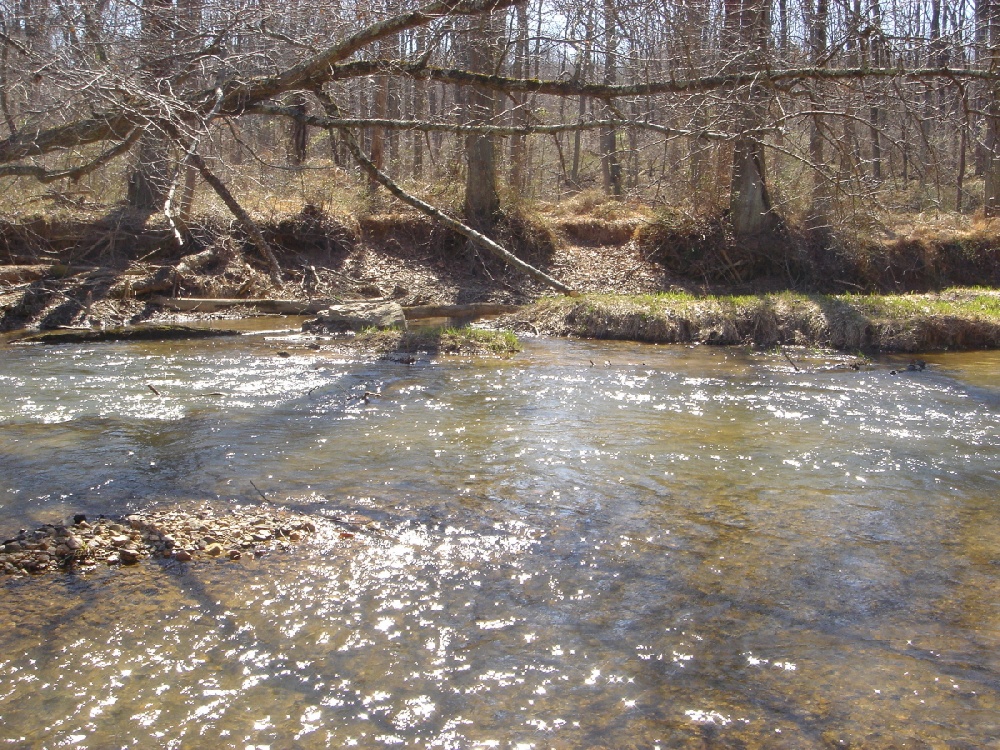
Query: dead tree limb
439	216
245	220
447	127
781	77
239	94
182	169
45	176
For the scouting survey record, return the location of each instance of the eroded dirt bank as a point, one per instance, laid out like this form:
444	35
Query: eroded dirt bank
110	271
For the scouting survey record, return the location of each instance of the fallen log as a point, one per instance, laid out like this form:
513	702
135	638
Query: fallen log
164	278
138	333
312	307
20	274
471	310
37	271
271	306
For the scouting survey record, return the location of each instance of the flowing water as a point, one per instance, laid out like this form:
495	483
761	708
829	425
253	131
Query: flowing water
591	545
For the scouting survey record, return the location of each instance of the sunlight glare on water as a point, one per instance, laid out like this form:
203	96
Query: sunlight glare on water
593	545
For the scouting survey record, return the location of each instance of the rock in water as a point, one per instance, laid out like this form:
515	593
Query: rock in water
178	534
357	316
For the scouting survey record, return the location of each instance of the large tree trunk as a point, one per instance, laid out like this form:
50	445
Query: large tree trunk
610	163
750	201
149	182
482	203
991	196
751	212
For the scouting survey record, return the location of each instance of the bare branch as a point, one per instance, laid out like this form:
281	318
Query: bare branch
43	175
466	231
245	220
448	127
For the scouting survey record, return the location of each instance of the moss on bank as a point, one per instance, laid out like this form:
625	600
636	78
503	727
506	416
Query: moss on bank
954	319
470	341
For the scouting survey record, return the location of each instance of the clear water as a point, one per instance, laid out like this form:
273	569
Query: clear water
670	547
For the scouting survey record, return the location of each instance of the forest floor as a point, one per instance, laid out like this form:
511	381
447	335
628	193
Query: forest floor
84	272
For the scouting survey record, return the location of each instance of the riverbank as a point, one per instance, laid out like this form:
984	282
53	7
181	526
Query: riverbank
956	319
631	288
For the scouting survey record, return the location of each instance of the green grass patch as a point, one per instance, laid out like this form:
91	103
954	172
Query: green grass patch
464	340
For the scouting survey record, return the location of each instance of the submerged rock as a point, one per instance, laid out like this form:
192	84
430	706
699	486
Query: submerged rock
357	316
179	535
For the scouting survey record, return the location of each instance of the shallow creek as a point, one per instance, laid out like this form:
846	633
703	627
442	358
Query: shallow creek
591	545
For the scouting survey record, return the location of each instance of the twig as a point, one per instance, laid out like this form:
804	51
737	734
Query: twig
153	389
258	491
782	350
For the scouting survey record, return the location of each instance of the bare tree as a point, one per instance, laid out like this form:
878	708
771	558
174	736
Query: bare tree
825	105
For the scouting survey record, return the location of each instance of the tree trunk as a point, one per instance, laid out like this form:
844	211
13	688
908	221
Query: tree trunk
610	163
419	107
818	219
518	142
482	203
299	140
379	112
149	182
750	201
991	196
583	67
750	206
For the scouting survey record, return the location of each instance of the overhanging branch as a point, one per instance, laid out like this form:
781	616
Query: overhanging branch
425	126
45	176
240	95
700	84
466	231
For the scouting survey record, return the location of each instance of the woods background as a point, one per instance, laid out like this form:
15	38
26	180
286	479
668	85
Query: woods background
825	113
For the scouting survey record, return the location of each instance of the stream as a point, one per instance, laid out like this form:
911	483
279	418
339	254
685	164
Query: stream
591	545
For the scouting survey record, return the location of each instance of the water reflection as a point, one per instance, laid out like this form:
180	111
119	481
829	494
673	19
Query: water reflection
676	548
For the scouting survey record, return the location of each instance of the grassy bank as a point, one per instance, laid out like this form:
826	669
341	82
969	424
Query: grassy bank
461	341
953	319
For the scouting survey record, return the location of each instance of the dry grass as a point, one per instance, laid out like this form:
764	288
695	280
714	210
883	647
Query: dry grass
595	204
594	232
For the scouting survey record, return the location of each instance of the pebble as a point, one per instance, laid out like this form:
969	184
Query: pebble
169	534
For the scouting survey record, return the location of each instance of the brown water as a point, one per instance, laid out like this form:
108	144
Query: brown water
679	548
